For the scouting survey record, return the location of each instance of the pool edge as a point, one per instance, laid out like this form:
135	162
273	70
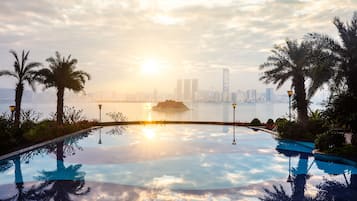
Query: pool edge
41	144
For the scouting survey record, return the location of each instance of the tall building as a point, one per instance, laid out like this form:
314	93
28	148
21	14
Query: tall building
187	89
251	96
269	95
225	85
194	89
234	97
179	90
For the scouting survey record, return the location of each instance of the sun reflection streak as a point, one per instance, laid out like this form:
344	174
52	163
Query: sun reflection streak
149	133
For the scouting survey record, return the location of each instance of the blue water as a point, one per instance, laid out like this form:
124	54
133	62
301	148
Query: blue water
175	162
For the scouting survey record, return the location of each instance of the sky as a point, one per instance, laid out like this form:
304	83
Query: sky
142	45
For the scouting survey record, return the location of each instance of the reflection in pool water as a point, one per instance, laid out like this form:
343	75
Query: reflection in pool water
175	162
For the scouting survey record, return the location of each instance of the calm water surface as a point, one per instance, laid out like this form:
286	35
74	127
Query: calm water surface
197	112
175	162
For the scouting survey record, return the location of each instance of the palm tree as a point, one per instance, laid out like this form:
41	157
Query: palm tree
291	61
62	74
23	72
342	72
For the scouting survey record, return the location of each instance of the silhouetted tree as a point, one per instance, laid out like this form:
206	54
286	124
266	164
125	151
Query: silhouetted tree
290	61
62	74
343	71
23	72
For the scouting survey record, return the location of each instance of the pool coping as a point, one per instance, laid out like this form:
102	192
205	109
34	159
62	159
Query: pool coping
41	144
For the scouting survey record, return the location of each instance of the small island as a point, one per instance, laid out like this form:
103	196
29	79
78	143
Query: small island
170	106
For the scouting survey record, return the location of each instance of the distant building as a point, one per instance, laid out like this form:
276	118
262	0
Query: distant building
251	96
194	89
179	90
225	85
154	95
234	97
269	95
187	89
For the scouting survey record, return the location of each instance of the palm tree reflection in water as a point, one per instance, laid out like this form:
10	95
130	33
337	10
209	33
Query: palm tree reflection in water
33	193
64	181
328	190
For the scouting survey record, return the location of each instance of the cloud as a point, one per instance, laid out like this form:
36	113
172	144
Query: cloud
193	37
165	181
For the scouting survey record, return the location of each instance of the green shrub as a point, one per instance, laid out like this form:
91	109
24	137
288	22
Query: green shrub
49	129
42	131
281	124
255	122
280	121
270	124
296	131
329	140
316	126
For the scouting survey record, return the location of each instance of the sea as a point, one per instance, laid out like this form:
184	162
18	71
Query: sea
244	112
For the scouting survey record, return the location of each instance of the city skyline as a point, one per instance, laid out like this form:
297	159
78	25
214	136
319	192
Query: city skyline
139	45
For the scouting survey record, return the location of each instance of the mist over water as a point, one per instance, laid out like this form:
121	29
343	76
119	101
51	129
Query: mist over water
197	112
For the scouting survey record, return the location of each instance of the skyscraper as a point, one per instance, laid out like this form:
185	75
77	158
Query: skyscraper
179	90
251	96
187	89
194	89
269	95
225	85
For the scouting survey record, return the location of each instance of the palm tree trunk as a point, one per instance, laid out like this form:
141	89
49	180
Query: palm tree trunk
18	98
18	178
300	179
60	156
353	181
300	97
59	116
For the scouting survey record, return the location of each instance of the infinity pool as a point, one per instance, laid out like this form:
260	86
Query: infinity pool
175	162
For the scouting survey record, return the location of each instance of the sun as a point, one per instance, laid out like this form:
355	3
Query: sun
150	67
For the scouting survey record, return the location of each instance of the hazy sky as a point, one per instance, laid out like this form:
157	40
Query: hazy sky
141	45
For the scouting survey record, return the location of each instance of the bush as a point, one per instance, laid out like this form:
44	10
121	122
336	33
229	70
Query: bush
71	115
117	116
255	122
316	126
30	115
296	131
5	132
329	140
270	124
342	111
43	130
49	129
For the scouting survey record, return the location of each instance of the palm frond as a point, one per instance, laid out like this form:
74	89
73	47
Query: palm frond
31	65
8	73
17	62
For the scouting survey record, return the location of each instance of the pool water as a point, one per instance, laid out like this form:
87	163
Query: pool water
175	162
